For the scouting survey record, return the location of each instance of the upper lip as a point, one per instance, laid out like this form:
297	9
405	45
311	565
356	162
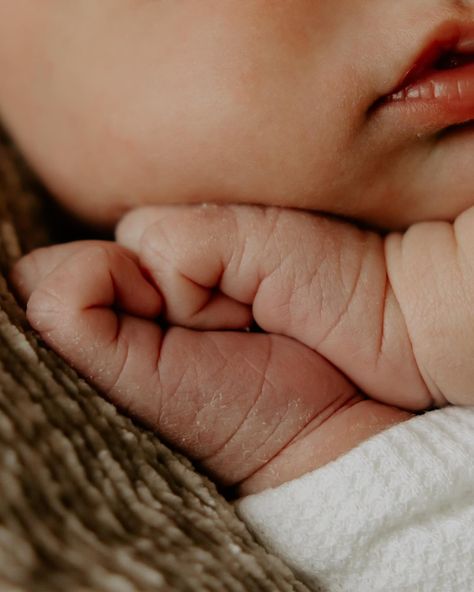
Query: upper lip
451	38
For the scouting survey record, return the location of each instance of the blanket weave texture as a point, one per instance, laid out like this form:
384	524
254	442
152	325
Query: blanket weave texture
89	501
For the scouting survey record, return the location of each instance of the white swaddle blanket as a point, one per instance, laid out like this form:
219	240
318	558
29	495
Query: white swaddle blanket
395	514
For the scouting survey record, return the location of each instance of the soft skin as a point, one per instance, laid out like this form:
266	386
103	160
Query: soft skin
393	315
121	103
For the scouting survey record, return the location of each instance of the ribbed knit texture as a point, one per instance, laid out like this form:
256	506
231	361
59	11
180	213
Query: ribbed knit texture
395	514
89	501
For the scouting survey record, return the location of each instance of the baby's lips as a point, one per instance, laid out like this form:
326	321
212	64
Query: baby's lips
453	83
438	90
443	98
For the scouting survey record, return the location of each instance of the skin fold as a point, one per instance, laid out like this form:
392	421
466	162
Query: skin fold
341	311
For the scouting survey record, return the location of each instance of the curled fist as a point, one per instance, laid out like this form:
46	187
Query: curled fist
158	320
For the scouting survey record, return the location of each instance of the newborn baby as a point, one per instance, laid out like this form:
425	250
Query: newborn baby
125	104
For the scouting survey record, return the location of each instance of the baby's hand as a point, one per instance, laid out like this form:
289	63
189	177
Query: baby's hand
395	315
254	409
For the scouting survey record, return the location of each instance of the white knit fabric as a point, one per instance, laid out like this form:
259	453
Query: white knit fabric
395	514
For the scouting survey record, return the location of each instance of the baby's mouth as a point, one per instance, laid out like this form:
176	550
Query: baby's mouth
450	78
438	90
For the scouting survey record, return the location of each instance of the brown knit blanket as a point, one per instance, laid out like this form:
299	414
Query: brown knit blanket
89	500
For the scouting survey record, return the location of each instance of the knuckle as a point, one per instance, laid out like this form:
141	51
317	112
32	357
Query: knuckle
45	309
156	237
118	376
102	257
133	225
96	253
157	248
28	267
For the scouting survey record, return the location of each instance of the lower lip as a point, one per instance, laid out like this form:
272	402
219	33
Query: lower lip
440	99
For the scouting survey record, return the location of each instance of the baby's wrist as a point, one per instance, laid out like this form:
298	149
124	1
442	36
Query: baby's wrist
359	420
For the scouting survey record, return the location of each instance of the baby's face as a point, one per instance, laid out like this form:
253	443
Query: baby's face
119	103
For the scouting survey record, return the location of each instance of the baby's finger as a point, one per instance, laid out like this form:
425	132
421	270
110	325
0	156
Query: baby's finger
194	304
320	281
84	280
33	268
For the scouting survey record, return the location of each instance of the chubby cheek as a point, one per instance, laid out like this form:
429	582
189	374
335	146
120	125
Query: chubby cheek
210	104
204	137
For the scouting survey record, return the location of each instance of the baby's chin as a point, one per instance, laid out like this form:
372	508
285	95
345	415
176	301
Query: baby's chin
390	207
104	212
430	181
398	205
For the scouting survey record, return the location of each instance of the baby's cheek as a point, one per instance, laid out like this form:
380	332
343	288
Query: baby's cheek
125	121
